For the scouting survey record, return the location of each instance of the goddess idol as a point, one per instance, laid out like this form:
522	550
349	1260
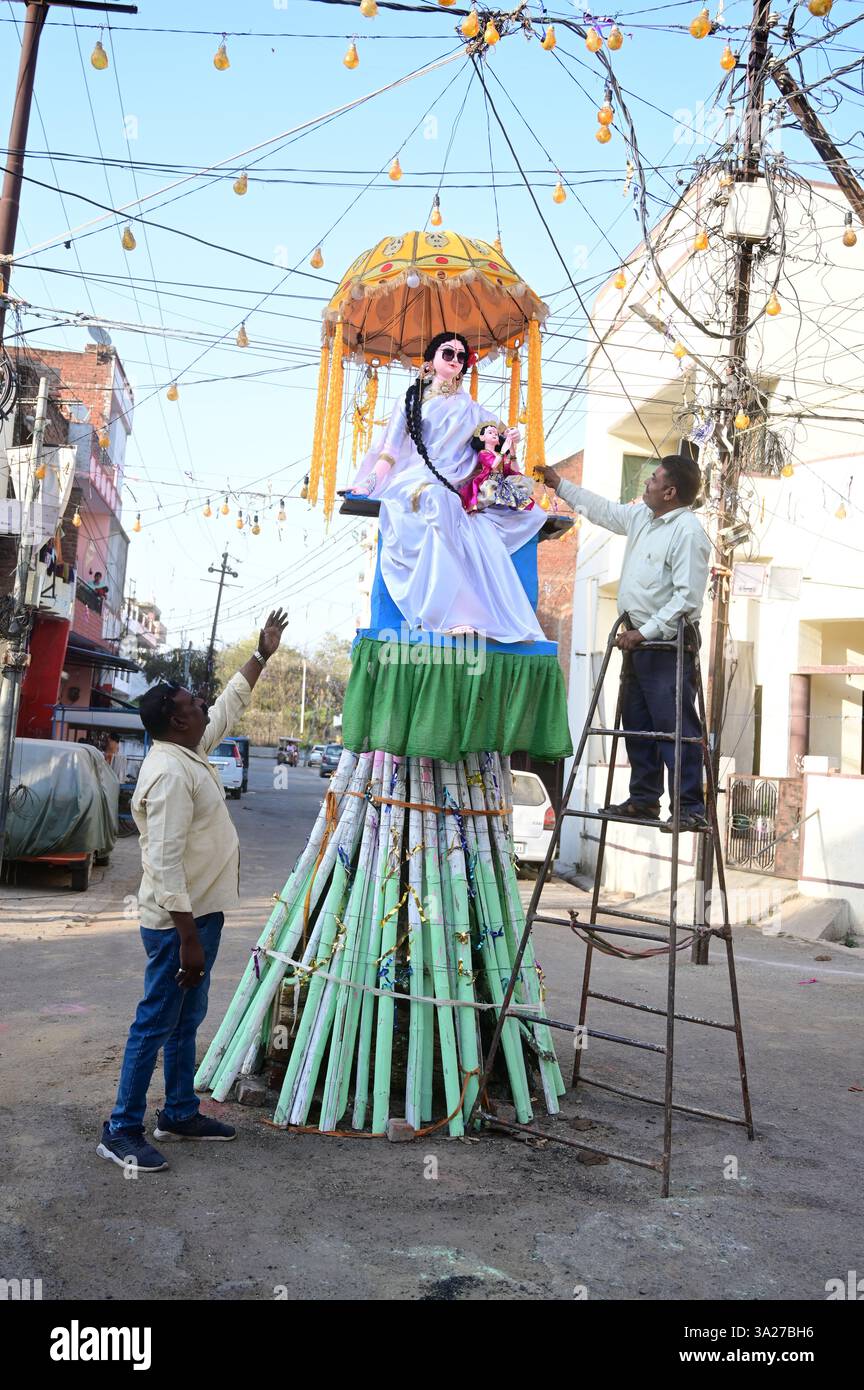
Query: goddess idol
447	569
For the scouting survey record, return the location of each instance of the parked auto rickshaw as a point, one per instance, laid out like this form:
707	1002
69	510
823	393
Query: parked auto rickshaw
288	752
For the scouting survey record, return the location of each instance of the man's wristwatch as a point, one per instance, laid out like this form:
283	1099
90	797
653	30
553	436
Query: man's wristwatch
259	658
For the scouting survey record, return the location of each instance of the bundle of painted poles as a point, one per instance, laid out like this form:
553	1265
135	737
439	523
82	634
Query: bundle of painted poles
402	911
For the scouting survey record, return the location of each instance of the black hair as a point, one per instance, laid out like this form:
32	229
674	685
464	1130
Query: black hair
684	475
414	403
156	707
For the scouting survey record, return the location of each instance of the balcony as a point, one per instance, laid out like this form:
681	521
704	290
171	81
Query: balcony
89	597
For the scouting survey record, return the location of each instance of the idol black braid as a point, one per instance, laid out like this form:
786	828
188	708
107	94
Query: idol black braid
414	405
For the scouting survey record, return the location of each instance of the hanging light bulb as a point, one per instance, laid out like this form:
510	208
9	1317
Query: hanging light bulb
445	4
603	134
470	26
523	417
352	57
76	518
316	260
127	240
549	40
435	217
773	306
224	509
256	529
99	58
239	522
490	34
850	236
221	60
241	185
700	241
412	280
104	439
395	170
606	114
726	179
742	420
620	281
615	39
242	336
840	513
136	526
787	471
368	9
679	351
39	471
820	8
172	393
208	510
559	194
727	59
281	514
700	27
593	41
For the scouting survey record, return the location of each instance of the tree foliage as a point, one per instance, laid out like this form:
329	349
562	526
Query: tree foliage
171	666
274	710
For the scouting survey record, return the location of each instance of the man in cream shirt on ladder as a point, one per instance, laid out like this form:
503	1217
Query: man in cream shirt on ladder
191	871
663	578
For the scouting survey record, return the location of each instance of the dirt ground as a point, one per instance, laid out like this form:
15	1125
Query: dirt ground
277	1214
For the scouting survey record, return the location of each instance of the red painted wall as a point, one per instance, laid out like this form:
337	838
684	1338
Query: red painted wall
40	690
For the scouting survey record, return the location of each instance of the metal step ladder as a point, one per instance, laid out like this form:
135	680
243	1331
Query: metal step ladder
668	941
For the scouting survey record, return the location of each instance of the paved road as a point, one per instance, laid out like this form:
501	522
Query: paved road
439	1219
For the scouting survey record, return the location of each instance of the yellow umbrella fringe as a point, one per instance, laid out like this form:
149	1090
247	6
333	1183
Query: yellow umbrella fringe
475	383
371	403
535	451
318	430
333	420
515	383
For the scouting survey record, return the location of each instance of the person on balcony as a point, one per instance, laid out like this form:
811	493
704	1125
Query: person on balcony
663	579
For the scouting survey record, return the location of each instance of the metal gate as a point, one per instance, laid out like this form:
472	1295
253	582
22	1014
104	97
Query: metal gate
751	832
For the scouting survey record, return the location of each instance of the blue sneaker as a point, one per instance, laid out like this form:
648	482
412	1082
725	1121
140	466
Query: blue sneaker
196	1127
130	1150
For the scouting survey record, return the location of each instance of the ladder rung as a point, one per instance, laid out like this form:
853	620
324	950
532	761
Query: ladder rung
598	926
658	1100
625	1042
653	1009
515	1128
653	822
645	917
644	733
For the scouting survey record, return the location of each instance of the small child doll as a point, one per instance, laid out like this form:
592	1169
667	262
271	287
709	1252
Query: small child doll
496	482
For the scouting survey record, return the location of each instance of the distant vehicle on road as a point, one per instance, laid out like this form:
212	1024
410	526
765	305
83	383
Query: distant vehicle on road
330	759
228	761
288	752
533	818
62	807
242	741
315	754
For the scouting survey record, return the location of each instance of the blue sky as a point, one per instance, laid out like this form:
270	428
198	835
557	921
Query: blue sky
244	416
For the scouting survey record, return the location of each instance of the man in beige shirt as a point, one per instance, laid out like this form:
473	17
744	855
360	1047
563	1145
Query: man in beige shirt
191	867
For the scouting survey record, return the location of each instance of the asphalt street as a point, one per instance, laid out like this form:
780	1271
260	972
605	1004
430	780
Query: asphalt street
474	1219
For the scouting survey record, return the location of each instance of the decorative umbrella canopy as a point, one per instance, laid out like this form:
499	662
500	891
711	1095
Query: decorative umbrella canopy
394	298
392	301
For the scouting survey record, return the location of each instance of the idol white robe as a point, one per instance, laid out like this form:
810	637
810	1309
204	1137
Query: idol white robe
446	568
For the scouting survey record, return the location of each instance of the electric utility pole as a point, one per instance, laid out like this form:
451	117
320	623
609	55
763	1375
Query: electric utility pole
10	199
729	463
222	572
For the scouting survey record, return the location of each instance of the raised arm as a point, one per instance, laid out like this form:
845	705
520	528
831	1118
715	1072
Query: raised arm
228	707
613	516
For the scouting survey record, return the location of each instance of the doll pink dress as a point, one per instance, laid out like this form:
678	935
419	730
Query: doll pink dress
491	487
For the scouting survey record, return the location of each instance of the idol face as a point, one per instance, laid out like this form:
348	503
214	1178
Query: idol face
450	360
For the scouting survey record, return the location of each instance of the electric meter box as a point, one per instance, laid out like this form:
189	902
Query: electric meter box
748	212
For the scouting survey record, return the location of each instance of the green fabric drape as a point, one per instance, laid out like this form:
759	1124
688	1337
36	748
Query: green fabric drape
437	708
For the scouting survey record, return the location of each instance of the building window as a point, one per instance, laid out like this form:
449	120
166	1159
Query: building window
636	469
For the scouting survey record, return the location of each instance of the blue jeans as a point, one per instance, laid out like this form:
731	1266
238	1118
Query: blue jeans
648	702
168	1017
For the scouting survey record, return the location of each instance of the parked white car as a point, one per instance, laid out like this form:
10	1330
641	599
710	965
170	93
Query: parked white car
533	818
228	761
316	754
